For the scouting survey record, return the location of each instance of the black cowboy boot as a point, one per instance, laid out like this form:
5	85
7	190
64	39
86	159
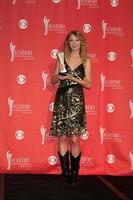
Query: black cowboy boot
75	165
64	161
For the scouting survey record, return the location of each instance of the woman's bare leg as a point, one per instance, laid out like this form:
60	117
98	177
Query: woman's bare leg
75	145
63	144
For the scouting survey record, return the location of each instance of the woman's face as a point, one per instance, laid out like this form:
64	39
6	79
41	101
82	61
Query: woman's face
74	43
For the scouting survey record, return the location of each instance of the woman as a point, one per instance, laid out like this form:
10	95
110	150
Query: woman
69	120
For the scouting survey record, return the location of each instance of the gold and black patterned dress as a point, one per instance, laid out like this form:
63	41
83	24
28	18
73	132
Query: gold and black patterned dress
69	107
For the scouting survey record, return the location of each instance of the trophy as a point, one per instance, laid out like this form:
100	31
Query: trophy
63	71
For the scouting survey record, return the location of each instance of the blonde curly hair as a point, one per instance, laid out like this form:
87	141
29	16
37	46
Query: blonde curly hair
83	48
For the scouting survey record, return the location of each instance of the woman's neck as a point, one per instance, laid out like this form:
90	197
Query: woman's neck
75	54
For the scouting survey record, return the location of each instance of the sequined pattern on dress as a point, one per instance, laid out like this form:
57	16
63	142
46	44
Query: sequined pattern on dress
69	109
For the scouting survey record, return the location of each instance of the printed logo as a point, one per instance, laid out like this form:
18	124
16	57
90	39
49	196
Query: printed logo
87	28
104	26
114	3
48	26
43	134
87	161
10	104
46	23
12	50
111	56
93	57
110	158
114	30
113	136
20	53
14	107
131	108
52	160
51	107
17	161
56	1
54	53
13	2
131	159
90	109
90	3
111	83
78	4
131	57
44	79
85	135
21	79
102	78
19	135
22	23
110	108
8	157
102	134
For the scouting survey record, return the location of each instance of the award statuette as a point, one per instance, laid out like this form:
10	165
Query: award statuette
63	71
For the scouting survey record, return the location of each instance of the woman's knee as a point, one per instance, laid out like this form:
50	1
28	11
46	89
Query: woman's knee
74	140
63	139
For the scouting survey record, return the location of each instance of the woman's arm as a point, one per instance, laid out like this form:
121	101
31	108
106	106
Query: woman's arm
55	78
86	82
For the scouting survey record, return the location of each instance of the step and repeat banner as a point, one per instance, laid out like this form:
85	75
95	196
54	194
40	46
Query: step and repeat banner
31	34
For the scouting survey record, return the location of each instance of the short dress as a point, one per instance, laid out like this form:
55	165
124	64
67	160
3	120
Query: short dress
69	117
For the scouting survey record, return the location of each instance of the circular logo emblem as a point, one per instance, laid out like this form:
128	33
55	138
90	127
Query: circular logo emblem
19	134
54	53
21	79
110	108
85	135
87	28
114	3
52	160
56	1
111	56
51	106
23	23
110	158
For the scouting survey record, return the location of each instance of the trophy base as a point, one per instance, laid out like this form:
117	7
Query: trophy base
63	73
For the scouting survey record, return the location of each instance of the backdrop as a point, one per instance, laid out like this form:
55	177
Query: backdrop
31	34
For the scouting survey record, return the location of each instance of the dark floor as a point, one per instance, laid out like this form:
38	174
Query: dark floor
50	187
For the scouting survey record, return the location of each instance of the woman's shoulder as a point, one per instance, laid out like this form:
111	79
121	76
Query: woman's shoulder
87	61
